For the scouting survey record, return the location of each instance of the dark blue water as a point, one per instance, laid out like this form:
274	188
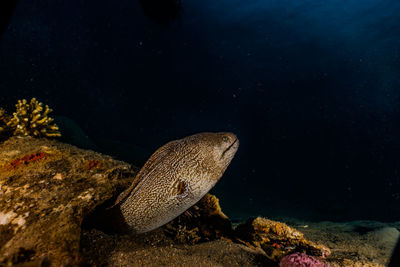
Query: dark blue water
312	89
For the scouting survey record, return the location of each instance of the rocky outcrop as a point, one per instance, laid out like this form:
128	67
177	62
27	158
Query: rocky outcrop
46	190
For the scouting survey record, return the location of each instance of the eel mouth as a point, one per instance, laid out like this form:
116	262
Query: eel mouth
229	147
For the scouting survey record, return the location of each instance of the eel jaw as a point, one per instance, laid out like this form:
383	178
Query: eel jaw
230	147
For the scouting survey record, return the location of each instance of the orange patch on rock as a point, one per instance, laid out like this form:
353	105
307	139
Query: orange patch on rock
25	160
91	164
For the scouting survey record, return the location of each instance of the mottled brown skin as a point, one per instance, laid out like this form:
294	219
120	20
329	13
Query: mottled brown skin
175	177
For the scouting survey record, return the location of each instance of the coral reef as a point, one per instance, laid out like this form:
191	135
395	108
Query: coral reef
277	239
301	259
31	119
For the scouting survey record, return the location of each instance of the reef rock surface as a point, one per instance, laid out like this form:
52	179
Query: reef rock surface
46	190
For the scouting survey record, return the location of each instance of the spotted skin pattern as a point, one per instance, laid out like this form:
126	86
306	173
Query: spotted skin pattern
174	178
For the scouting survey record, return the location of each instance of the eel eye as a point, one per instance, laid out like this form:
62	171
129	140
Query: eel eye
225	138
182	188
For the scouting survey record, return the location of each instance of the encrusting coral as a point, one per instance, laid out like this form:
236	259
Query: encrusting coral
301	259
277	239
30	119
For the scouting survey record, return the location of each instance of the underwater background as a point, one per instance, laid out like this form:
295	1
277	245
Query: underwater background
311	88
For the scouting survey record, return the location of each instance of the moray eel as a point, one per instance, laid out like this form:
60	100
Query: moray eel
174	178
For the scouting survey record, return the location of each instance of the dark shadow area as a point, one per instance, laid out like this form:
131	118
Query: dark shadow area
7	8
161	11
395	258
107	219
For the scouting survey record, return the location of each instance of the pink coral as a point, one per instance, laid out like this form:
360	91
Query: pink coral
301	260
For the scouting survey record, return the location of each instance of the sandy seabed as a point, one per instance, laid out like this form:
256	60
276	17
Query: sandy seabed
358	243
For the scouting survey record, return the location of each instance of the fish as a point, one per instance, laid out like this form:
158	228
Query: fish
175	178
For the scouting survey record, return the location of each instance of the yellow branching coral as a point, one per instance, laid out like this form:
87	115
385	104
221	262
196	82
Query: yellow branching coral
31	119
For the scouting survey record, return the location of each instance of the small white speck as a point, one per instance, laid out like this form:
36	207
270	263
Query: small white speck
6	218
